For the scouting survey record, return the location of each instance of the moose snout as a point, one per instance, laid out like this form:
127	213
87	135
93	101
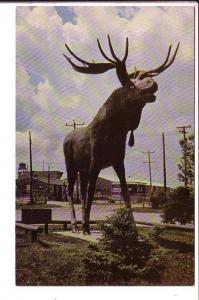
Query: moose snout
154	87
146	85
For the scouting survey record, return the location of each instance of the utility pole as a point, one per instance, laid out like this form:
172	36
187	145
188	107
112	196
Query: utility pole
30	149
164	164
43	167
74	125
149	162
48	180
182	129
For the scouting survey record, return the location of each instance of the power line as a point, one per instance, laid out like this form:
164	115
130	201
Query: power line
153	134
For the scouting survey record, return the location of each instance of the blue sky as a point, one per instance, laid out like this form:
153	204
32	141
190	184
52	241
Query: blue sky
50	93
67	14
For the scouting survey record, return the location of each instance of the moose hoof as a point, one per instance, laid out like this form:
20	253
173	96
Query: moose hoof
75	229
86	230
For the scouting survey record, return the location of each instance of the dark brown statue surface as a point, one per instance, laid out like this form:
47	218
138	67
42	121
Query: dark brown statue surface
102	143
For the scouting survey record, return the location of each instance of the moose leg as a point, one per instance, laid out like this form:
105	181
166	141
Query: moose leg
93	174
83	188
120	171
71	182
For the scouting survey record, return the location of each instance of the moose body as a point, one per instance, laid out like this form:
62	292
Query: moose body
105	136
102	143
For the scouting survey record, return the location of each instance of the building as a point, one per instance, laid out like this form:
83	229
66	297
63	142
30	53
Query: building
51	186
103	189
24	173
45	184
139	191
22	170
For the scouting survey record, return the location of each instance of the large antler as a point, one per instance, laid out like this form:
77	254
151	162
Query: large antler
167	63
154	72
119	65
97	68
88	67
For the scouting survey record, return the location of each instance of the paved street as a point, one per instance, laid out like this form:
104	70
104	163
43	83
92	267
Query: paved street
98	212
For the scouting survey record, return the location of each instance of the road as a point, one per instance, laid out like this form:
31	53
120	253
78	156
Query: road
98	212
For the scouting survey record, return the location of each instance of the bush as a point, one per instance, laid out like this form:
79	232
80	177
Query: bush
152	271
157	230
180	206
158	199
121	255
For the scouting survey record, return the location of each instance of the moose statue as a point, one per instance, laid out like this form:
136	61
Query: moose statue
102	143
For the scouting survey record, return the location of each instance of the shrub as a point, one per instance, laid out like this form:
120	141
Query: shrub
180	206
121	254
158	199
152	271
157	230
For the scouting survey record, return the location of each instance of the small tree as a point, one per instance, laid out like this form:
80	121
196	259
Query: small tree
180	206
186	165
121	255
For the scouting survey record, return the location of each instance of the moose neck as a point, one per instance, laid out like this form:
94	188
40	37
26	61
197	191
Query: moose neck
121	112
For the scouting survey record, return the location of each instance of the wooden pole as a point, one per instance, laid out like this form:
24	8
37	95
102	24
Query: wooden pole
150	177
31	177
164	164
77	180
149	162
48	180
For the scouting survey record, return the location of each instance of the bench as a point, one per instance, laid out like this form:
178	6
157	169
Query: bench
37	216
30	228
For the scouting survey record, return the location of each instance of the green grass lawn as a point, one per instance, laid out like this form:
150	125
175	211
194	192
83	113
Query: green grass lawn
58	260
54	261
